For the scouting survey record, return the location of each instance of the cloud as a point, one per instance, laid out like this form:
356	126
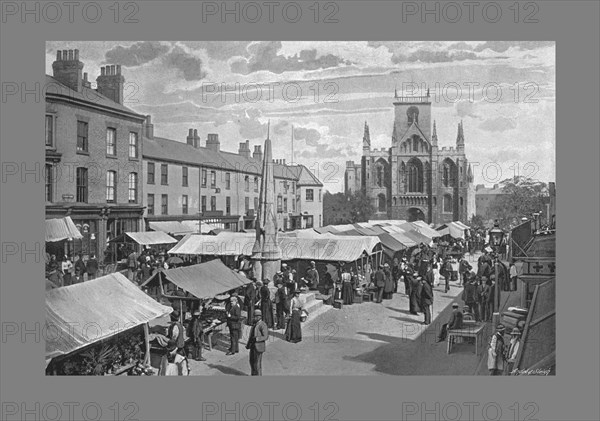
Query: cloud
466	109
502	46
136	54
264	56
189	65
310	136
498	124
427	56
221	50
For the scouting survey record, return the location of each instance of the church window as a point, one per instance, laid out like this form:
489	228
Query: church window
415	176
382	204
416	144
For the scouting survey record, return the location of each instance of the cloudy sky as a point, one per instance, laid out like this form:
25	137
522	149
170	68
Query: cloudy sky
503	91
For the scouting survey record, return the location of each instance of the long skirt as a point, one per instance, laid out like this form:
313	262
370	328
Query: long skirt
266	307
347	293
293	332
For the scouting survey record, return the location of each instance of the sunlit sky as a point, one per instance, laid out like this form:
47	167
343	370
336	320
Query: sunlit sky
504	92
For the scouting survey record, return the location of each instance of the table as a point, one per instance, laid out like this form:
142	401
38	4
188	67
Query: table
208	332
469	330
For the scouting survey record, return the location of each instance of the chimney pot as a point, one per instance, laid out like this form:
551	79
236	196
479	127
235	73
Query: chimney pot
118	69
70	55
191	132
148	118
113	70
102	71
76	54
85	76
65	55
195	132
58	55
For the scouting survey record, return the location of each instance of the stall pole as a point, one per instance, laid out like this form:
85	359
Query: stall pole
147	343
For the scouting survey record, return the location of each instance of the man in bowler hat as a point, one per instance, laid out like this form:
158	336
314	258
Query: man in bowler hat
235	325
257	343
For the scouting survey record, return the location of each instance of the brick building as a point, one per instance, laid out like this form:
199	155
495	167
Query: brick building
93	166
190	181
415	179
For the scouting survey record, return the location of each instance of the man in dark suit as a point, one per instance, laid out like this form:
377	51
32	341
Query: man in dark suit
455	322
92	267
282	307
380	283
257	343
235	325
250	301
426	300
429	276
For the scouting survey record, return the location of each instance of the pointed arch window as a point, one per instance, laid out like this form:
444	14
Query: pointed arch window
447	203
382	203
415	176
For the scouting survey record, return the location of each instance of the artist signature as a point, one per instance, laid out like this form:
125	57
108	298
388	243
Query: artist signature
529	372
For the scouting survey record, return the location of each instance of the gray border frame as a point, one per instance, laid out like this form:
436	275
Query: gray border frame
572	394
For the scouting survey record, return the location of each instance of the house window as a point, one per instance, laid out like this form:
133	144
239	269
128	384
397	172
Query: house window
82	136
309	195
213	179
256	203
133	145
164	174
150	172
447	203
111	186
247	183
247	204
293	205
204	177
320	220
256	184
285	204
435	201
49	183
111	141
228	205
227	181
203	204
213	203
82	185
184	176
150	204
279	204
319	195
132	187
184	204
49	131
164	204
461	202
309	222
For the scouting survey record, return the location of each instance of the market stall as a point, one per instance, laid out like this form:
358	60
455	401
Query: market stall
99	327
129	241
186	287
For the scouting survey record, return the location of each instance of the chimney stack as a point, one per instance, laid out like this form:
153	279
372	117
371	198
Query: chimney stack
190	137
212	142
67	69
86	83
196	139
258	153
244	149
149	127
111	83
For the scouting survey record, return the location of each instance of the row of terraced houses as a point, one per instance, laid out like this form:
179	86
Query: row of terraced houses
107	171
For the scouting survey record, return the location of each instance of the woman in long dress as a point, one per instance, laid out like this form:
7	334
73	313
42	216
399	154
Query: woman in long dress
266	306
347	288
293	332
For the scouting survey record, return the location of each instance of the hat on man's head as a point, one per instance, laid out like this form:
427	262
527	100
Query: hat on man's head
175	315
284	265
196	313
500	328
416	274
312	262
257	312
515	331
454	305
259	283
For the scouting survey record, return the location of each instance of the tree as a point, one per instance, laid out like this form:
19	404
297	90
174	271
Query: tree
360	206
522	197
477	222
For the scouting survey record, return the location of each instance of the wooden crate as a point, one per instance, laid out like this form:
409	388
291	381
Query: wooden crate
366	297
338	304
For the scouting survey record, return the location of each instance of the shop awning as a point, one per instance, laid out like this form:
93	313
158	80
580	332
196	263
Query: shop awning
205	280
390	244
61	229
455	230
205	227
334	249
85	313
147	238
417	237
171	227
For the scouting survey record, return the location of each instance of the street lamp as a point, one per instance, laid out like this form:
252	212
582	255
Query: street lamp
496	236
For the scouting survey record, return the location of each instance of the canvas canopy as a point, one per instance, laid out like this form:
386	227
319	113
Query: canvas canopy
390	244
335	249
85	313
453	229
147	238
61	229
205	280
170	227
422	228
224	244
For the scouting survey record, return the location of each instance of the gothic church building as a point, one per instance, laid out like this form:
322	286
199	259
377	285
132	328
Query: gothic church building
414	179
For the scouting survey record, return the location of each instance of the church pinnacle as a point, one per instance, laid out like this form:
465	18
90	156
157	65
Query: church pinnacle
460	137
366	136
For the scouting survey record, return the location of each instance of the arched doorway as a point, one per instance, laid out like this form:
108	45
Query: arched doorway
415	214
